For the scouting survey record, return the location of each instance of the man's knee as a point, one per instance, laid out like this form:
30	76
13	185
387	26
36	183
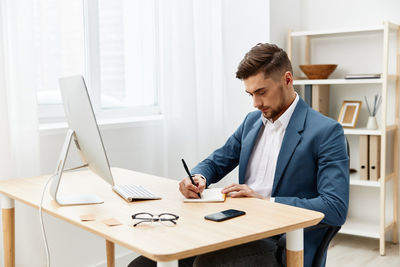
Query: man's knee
142	262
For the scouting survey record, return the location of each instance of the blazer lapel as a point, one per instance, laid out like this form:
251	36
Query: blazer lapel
290	140
247	148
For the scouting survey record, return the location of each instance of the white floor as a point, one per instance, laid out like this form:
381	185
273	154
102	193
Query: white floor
354	251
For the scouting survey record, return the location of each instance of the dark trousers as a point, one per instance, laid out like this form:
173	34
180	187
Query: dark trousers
258	253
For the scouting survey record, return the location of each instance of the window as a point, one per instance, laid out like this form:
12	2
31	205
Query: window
114	43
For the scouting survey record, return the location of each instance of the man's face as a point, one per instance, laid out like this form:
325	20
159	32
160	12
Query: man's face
271	97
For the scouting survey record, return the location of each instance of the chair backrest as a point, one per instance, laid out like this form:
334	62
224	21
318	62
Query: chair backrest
323	247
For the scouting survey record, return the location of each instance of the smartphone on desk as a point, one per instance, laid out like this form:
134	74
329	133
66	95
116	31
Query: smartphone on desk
224	215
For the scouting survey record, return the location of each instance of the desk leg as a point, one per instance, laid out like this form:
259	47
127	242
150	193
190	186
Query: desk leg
167	263
110	248
294	248
8	213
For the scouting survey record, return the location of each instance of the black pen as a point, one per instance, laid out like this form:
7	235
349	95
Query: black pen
190	176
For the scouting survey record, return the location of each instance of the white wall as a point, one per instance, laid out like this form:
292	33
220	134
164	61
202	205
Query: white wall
284	15
141	148
245	23
323	14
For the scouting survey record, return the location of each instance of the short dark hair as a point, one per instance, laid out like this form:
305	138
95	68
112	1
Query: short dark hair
266	58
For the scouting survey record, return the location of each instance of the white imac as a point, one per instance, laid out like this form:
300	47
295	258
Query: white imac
83	130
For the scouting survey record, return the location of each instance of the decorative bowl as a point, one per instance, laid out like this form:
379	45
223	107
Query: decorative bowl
318	71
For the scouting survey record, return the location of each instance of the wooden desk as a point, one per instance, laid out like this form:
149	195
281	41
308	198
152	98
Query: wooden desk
193	235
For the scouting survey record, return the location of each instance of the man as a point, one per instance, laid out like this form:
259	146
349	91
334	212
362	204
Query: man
286	152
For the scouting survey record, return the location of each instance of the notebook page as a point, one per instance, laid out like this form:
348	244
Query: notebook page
208	195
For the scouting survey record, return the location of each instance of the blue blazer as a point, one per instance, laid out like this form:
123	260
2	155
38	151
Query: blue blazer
312	170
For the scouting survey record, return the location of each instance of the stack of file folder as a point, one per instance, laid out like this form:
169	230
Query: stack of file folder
370	155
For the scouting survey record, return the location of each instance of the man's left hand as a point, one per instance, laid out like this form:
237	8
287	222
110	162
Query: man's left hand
241	190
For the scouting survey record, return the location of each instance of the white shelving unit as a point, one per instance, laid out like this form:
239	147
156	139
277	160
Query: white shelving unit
354	226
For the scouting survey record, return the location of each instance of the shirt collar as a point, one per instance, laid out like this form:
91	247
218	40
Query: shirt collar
285	117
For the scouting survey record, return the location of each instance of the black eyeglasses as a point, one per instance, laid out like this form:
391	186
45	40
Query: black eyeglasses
168	219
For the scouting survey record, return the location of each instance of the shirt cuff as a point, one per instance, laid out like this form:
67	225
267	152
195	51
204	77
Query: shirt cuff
272	199
202	176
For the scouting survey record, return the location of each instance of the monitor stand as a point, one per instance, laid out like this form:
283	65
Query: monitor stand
55	183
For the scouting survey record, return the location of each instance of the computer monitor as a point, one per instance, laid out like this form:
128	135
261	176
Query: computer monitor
83	129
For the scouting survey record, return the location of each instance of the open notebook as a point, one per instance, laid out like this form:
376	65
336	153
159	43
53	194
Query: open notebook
208	195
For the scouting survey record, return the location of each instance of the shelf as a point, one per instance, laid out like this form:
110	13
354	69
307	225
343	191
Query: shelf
367	183
337	31
391	77
360	228
338	81
365	131
361	131
355	181
363	228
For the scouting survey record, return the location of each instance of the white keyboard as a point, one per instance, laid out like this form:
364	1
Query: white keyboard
132	192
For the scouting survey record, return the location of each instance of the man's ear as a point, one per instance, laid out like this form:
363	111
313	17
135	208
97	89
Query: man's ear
288	77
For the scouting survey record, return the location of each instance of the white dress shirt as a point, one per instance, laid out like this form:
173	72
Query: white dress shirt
260	170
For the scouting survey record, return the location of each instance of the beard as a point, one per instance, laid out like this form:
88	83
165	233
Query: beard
270	113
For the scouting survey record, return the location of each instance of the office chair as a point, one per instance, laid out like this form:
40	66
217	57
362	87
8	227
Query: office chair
323	247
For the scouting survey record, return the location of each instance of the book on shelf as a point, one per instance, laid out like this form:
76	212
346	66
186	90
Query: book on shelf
363	76
208	195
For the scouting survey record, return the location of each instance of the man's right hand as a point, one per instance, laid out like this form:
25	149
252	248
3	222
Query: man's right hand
189	190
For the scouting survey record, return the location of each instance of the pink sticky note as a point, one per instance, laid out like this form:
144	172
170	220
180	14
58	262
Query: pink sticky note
112	222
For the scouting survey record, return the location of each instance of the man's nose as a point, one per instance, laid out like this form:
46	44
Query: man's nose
257	103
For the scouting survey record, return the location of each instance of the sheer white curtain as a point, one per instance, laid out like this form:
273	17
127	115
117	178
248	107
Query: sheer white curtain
19	123
192	80
19	135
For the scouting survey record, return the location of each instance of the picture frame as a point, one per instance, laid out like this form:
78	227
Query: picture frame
349	112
